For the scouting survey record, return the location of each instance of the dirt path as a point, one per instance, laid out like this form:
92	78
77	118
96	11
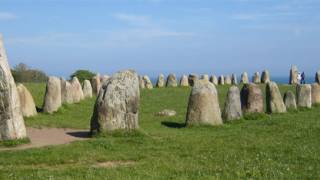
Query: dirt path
51	136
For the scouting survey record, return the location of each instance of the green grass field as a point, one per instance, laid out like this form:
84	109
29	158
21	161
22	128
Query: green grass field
279	146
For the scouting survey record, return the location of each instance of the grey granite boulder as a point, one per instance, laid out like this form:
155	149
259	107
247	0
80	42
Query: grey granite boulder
290	100
52	100
315	93
172	81
232	109
294	75
161	81
304	98
245	78
87	89
275	102
252	99
184	82
117	105
28	107
203	108
11	120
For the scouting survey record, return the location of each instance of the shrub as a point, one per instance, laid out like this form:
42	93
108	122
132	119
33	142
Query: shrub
82	75
22	73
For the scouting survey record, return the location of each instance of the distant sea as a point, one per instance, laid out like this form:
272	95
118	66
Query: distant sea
279	80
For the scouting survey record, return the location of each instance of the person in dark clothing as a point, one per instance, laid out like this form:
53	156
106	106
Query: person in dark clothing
303	78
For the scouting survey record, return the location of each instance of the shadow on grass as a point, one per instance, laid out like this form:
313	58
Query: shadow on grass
39	110
173	124
80	134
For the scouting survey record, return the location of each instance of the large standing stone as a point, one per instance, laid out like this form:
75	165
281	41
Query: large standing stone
77	93
227	80
315	93
265	77
192	79
11	120
28	107
318	77
234	79
66	92
87	89
232	109
256	78
161	81
244	78
290	100
117	104
52	100
252	99
203	108
184	82
205	77
172	81
147	82
275	102
221	80
304	96
142	84
214	80
294	75
96	84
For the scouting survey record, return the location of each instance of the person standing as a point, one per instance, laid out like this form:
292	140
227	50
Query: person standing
299	78
303	78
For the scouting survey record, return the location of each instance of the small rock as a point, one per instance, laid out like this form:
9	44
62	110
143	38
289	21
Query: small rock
167	112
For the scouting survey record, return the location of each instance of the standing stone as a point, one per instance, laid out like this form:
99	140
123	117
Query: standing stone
275	102
315	93
290	100
96	84
205	77
147	82
232	109
104	78
52	100
221	80
265	77
161	81
227	80
66	92
11	121
294	75
252	99
77	93
214	80
318	77
142	84
172	81
28	107
192	79
304	95
234	79
256	78
244	78
117	104
87	89
203	108
184	82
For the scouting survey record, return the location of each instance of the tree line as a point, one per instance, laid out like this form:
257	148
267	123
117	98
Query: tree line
22	73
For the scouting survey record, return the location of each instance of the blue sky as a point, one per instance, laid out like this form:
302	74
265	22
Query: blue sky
153	36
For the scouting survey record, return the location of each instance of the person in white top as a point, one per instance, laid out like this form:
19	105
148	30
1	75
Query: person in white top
299	77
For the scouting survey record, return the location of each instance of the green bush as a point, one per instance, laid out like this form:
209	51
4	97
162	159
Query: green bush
82	75
22	73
